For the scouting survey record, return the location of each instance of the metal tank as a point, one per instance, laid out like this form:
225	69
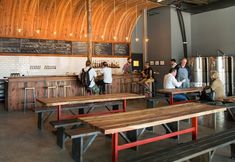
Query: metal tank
199	70
224	66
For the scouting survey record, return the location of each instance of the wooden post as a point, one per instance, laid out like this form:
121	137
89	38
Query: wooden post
145	37
89	29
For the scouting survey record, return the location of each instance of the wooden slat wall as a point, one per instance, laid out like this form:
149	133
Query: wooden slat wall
68	16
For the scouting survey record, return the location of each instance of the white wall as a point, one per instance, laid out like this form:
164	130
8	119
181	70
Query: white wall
214	30
62	65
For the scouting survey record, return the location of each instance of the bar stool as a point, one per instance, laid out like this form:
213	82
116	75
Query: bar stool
65	87
53	89
108	88
25	97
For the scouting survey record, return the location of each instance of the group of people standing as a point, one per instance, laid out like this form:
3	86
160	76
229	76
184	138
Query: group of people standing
179	76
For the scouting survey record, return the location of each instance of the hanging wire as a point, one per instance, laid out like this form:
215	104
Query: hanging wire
114	19
136	28
71	16
102	17
54	4
18	22
126	22
38	23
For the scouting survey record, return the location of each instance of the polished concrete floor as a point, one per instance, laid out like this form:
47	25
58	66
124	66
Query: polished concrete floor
21	141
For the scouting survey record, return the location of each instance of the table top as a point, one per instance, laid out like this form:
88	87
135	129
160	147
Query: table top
88	99
229	99
125	121
180	90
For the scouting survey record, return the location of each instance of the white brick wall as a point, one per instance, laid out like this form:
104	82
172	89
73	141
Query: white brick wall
21	64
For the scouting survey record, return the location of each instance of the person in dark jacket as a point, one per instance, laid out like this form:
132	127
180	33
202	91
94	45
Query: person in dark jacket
183	72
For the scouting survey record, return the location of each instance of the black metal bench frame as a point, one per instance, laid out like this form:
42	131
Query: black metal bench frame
79	147
49	111
201	150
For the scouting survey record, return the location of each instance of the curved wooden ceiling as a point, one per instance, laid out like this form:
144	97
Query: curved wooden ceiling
66	19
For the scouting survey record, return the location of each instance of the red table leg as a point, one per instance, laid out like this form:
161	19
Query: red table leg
171	100
59	112
195	126
115	147
124	105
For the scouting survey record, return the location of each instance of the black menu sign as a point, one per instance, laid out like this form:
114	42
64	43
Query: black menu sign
46	46
63	47
102	48
9	45
121	49
79	48
29	46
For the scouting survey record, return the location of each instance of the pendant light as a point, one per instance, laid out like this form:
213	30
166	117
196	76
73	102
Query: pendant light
71	17
37	23
54	3
102	18
126	22
114	18
19	29
136	28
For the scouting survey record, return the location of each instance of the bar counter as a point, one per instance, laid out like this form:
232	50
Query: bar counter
60	85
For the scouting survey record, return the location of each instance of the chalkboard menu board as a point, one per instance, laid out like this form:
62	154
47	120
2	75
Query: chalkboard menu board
63	47
43	46
121	49
29	46
9	45
46	46
102	48
79	48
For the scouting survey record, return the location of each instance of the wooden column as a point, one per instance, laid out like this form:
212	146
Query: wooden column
145	36
89	29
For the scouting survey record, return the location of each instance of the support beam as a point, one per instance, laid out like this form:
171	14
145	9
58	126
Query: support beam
89	29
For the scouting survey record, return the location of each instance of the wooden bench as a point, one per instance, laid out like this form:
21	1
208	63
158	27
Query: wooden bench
41	111
78	145
201	150
60	126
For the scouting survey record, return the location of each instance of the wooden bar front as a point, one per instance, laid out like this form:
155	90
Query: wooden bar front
16	88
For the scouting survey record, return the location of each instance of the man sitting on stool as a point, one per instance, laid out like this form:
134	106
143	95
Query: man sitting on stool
148	78
170	82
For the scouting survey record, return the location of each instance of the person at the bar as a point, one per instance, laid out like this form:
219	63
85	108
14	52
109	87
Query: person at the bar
91	87
107	77
127	68
173	63
183	73
170	82
148	77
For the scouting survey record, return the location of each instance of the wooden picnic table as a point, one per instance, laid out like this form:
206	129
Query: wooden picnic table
230	103
172	92
86	100
134	120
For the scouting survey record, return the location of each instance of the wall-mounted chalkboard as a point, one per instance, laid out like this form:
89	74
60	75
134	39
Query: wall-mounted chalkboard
44	46
121	49
9	45
63	47
102	48
79	48
29	46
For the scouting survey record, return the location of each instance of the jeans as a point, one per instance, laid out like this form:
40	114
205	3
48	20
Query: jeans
180	97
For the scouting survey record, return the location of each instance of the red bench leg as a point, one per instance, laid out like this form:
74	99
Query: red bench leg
124	105
59	112
115	147
195	126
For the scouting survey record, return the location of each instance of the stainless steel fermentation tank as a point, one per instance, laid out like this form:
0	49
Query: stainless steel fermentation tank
203	66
